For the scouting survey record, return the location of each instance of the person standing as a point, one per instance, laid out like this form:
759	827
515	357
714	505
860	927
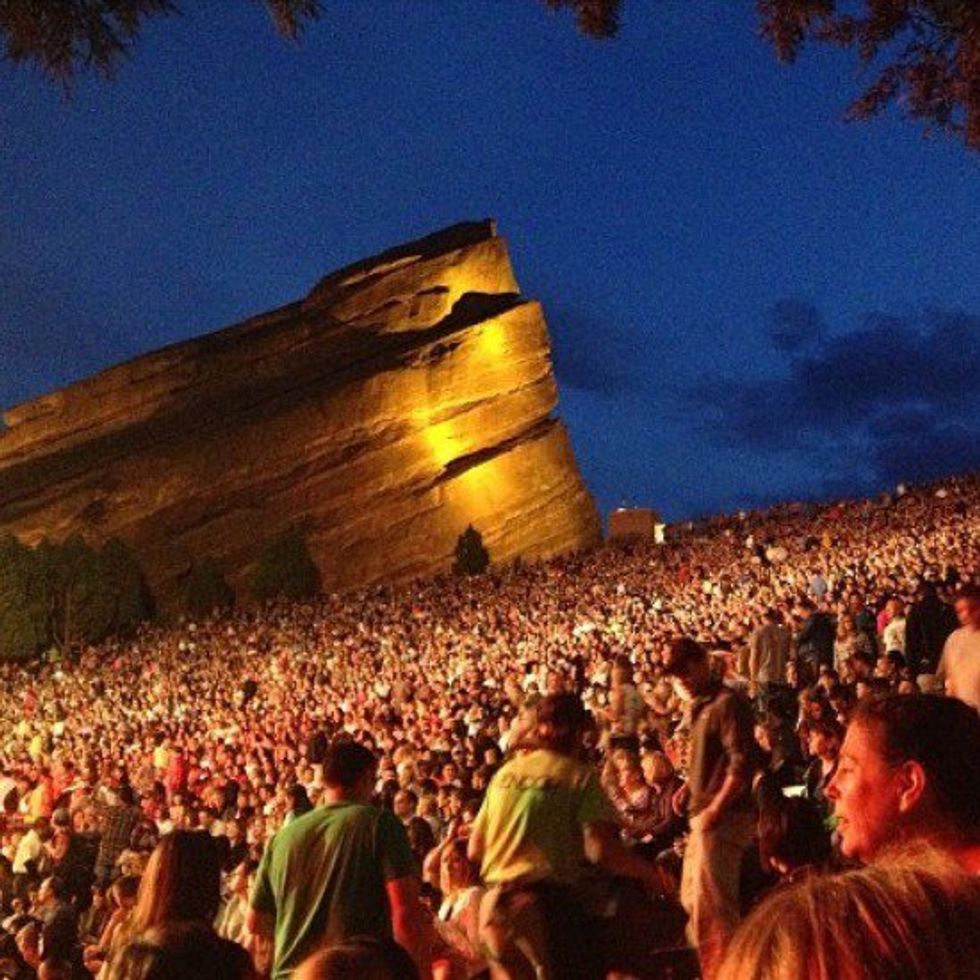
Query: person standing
815	637
768	652
544	817
718	800
626	707
959	667
118	821
929	623
345	869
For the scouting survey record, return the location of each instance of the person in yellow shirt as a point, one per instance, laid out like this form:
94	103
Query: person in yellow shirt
543	819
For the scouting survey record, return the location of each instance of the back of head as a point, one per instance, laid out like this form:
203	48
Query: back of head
182	881
682	654
791	833
561	722
55	969
914	916
60	889
969	591
345	763
360	958
828	726
942	735
180	951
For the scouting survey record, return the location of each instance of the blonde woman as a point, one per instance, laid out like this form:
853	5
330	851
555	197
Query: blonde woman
917	915
457	923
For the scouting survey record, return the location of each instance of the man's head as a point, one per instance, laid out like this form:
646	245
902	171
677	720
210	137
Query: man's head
405	804
824	737
968	606
909	769
688	661
350	769
622	672
561	723
656	767
361	956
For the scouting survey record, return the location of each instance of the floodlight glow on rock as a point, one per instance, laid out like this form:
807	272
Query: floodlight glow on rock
405	397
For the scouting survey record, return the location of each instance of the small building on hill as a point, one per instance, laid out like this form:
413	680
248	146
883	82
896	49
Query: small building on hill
635	524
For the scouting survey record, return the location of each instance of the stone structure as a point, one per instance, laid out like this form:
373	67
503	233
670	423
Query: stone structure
405	397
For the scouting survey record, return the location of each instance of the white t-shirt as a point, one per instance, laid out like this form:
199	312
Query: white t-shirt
30	848
960	666
893	636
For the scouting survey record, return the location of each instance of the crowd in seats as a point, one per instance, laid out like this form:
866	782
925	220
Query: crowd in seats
142	781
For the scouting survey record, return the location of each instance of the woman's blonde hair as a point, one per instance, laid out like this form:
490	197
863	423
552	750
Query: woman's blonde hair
915	915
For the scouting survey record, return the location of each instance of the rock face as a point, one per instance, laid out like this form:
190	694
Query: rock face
405	397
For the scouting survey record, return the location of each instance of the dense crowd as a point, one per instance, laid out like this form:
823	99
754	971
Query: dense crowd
143	781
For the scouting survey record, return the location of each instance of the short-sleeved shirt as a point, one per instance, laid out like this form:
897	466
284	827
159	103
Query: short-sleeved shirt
960	666
722	743
533	816
323	879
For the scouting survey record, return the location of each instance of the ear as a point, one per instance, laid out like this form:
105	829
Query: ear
912	783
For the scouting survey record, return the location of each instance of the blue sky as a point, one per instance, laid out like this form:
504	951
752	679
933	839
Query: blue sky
749	298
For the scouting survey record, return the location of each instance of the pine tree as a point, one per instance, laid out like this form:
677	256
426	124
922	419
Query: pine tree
23	612
285	569
205	589
471	557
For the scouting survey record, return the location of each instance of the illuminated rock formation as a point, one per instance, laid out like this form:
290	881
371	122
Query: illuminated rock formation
407	396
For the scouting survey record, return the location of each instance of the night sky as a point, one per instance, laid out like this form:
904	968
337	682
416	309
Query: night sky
749	299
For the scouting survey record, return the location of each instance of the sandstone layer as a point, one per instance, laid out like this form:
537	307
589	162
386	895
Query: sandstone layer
405	397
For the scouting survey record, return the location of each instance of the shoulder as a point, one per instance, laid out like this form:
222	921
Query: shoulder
299	829
523	763
728	703
384	818
955	640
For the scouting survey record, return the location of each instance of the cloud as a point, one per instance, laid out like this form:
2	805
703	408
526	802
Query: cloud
794	325
894	399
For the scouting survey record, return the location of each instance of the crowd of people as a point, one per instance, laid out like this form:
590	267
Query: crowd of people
684	757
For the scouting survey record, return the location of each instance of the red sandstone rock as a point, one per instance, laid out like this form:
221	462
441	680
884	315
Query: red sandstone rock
407	396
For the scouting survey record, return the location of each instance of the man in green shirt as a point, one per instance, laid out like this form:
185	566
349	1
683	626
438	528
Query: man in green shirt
343	870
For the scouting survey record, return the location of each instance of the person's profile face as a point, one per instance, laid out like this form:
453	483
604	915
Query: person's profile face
693	675
968	612
865	792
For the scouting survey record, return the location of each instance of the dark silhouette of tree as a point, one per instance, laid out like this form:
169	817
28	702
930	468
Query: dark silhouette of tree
92	594
471	556
206	589
285	569
926	53
23	606
67	594
596	18
65	37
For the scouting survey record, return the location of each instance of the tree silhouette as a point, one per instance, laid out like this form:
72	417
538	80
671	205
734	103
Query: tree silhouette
206	590
926	52
471	557
65	37
285	569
